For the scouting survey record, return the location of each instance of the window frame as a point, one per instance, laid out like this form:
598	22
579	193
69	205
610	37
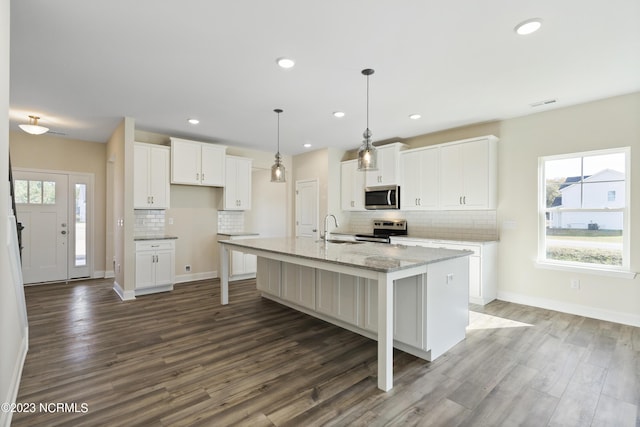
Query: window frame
603	269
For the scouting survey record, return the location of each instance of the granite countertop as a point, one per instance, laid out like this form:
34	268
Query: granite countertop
431	239
371	256
157	237
238	233
445	240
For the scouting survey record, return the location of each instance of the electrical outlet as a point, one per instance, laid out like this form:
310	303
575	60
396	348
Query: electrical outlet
170	221
187	268
575	284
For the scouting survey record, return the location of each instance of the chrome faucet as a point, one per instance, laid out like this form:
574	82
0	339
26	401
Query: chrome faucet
326	226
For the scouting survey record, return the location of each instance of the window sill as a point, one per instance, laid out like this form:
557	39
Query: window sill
608	272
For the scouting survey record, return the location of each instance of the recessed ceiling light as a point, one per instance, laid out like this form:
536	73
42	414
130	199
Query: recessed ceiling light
415	116
285	62
194	121
307	145
529	26
338	114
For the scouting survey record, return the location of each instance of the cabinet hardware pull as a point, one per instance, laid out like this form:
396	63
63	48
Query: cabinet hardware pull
197	176
155	246
464	200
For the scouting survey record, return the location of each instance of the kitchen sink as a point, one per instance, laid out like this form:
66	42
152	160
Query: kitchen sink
347	242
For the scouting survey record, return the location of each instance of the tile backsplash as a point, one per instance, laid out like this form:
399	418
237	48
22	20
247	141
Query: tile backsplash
149	222
458	225
230	221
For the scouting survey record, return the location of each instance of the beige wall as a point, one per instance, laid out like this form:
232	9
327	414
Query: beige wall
608	123
115	206
48	152
323	165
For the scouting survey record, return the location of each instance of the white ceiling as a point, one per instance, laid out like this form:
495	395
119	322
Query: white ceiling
83	65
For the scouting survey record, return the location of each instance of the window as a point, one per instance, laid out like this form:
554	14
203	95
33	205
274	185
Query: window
584	209
35	192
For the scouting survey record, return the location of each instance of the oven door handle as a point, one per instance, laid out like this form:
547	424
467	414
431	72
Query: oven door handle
389	197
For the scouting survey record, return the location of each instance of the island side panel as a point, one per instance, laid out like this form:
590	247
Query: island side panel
447	305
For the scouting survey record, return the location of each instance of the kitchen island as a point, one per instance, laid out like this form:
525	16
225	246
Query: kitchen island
357	286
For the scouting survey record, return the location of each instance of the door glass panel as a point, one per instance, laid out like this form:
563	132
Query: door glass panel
21	189
80	224
49	193
35	192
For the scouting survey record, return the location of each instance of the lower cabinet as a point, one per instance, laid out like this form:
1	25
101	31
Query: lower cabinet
483	265
299	285
241	265
155	266
269	276
427	320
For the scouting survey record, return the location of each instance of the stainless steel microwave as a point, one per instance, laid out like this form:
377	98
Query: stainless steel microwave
382	197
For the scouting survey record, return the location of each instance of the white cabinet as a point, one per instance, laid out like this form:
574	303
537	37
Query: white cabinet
299	285
150	176
155	266
237	190
419	177
269	276
197	163
483	265
468	174
388	166
241	265
337	295
352	186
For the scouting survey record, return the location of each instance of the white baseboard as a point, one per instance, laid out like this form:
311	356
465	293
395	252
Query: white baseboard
124	295
14	385
183	278
577	309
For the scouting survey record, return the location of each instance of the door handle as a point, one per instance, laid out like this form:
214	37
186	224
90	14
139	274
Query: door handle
389	197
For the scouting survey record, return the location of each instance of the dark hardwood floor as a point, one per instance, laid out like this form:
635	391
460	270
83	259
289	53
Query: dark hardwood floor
182	359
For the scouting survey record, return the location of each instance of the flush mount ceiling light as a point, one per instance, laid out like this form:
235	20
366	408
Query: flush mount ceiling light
194	121
415	116
338	114
285	63
307	145
33	127
277	170
529	26
367	153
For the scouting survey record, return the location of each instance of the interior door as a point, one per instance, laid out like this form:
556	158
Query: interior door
307	208
42	207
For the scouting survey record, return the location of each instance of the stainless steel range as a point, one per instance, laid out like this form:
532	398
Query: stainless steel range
383	229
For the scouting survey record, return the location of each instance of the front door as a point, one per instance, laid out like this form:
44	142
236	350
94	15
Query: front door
42	205
54	210
307	208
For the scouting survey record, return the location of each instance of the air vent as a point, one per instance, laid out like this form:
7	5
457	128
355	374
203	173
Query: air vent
545	102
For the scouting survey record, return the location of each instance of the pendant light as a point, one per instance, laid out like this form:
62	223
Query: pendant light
33	127
277	170
367	153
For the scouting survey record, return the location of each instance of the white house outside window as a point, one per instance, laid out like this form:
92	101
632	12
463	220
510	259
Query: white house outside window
584	209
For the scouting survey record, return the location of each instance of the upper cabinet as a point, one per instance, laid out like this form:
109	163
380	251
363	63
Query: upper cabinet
468	174
419	179
388	166
150	176
352	186
197	163
237	191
